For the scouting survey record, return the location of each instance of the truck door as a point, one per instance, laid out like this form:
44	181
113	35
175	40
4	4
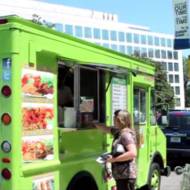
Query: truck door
140	119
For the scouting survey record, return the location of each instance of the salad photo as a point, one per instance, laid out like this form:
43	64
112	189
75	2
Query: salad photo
37	83
37	148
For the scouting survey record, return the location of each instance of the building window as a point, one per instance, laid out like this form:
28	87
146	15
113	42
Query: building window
163	52
169	42
121	37
177	102
170	66
105	35
78	31
114	47
143	39
150	40
157	41
164	66
157	53
172	89
98	43
129	37
171	79
143	52
87	32
122	49
113	35
106	45
175	55
96	33
59	27
163	42
176	78
150	52
129	50
176	67
69	29
169	54
136	38
177	90
137	51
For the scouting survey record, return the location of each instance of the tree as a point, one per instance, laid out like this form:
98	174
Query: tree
186	71
38	20
164	95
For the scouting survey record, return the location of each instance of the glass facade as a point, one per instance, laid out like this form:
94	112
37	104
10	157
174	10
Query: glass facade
150	40
69	29
157	41
143	39
136	38
170	66
113	35
129	37
121	36
78	31
176	67
87	32
129	50
105	35
133	43
96	33
59	27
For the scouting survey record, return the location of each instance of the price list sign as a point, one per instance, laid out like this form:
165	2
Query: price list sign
119	94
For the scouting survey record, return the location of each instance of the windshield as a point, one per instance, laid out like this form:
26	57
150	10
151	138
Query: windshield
179	120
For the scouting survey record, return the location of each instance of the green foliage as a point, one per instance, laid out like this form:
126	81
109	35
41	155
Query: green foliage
186	82
164	95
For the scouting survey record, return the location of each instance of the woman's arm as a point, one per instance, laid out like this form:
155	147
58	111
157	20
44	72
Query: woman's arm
103	128
129	155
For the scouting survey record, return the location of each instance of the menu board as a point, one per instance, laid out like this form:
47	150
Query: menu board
119	94
37	115
43	183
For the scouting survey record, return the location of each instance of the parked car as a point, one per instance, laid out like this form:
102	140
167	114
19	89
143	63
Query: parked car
177	131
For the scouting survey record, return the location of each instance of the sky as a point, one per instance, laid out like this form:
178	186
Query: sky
157	15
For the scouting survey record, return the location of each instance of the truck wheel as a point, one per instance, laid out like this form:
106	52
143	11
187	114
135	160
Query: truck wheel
154	177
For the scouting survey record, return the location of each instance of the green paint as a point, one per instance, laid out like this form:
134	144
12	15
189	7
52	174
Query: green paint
35	47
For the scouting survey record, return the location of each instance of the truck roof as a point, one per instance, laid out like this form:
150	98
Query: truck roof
116	58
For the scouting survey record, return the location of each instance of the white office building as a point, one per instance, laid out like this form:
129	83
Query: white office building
106	30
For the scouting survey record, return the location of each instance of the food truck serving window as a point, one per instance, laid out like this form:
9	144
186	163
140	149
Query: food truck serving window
89	104
81	91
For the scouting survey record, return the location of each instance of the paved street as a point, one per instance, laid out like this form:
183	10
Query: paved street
172	182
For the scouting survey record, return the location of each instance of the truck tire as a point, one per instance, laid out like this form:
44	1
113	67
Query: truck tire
154	178
82	181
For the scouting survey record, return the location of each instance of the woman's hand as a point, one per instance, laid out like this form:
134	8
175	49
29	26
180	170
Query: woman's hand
110	159
103	128
98	126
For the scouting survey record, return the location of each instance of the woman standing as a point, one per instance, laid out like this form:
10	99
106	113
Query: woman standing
124	150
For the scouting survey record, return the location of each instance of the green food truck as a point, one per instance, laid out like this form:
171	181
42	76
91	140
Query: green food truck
52	87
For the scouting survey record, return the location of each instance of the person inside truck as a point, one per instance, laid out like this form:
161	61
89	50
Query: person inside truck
65	98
